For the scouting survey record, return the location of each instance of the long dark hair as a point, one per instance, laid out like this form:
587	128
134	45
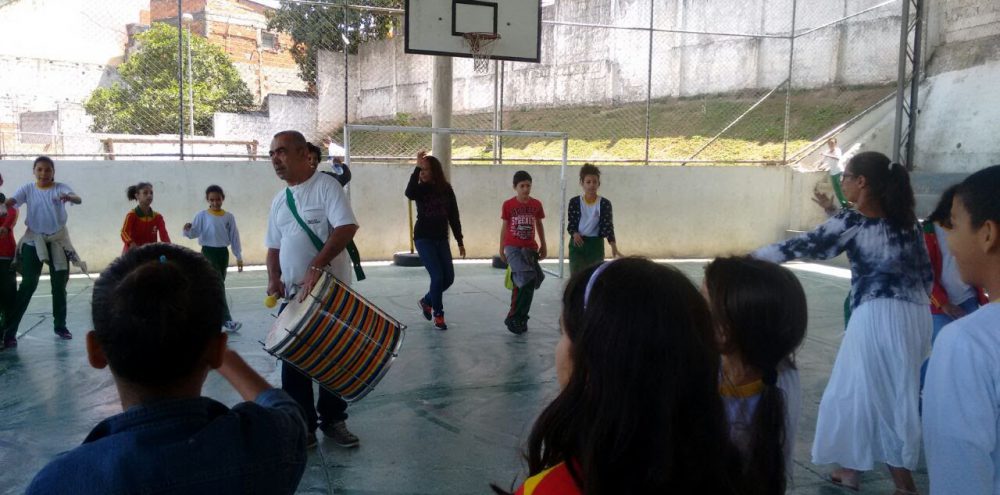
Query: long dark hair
438	181
760	308
889	184
942	212
641	412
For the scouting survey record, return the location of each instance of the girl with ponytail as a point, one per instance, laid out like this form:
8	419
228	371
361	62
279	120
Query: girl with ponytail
869	412
759	309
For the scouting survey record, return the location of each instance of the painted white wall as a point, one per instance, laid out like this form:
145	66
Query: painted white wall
959	120
659	211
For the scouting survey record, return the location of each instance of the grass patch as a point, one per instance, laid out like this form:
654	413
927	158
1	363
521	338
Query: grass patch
678	128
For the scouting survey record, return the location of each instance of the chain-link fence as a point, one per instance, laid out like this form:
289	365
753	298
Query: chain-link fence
639	81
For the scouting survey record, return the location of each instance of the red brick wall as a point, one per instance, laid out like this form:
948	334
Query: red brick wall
167	9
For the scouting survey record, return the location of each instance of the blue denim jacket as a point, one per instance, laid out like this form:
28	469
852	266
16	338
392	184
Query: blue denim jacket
188	446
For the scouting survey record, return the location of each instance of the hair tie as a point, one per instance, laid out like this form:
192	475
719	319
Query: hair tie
593	278
163	258
770	377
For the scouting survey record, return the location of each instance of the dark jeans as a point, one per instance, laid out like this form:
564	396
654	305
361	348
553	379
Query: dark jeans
31	270
330	408
436	255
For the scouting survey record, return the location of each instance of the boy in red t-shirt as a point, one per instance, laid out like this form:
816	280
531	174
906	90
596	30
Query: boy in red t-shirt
522	215
8	280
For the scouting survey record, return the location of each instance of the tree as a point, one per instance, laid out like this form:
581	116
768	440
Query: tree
145	100
316	27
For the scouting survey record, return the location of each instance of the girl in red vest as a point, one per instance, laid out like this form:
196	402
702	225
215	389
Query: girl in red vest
142	225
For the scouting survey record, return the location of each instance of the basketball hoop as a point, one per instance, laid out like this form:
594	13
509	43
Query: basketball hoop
481	47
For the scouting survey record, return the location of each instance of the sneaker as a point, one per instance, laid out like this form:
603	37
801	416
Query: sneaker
311	440
439	322
231	326
425	309
63	333
339	434
9	343
514	326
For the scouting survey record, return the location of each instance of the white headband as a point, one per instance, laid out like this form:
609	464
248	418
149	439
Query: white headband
593	278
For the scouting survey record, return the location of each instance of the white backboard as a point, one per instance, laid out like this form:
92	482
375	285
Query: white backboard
435	27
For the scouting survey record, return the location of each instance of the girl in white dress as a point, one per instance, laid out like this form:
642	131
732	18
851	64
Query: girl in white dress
869	411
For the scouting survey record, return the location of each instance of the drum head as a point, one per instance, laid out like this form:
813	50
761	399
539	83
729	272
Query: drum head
288	323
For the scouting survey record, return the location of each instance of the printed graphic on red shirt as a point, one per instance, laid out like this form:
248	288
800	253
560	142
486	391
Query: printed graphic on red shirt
521	219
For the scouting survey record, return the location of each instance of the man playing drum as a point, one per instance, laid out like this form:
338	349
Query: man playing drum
309	225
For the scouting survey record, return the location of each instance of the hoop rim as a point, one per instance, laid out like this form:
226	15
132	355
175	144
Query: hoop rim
481	36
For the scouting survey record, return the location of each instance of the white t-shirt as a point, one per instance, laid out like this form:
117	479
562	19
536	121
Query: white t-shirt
216	231
740	411
323	206
958	291
46	212
961	410
831	160
590	218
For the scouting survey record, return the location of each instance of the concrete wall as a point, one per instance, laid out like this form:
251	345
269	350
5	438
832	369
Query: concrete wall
282	113
33	84
659	211
959	118
600	66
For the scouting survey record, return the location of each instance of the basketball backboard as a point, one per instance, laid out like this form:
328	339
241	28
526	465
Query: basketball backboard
435	27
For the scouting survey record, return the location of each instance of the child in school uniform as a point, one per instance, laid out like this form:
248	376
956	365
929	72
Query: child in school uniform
8	278
216	230
142	225
522	216
961	406
46	241
590	221
760	317
168	437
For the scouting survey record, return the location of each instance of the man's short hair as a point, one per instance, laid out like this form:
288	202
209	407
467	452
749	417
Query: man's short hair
295	137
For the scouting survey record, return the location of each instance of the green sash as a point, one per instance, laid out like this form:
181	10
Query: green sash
352	249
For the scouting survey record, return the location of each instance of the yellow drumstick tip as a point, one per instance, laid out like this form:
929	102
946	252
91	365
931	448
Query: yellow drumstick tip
270	301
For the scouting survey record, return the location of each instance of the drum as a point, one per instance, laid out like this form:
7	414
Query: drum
336	337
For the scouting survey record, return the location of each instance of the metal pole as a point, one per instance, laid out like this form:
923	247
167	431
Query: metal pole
180	77
788	87
347	69
649	77
503	68
190	84
914	85
496	107
897	132
562	216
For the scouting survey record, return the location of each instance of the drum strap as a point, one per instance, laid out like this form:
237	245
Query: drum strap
352	249
295	213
